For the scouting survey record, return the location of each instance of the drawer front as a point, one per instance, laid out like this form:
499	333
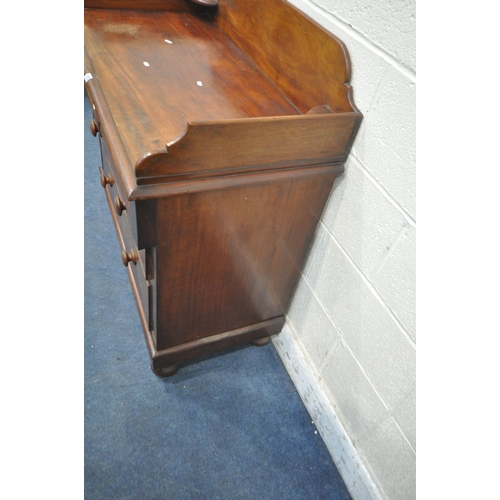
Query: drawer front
132	257
119	210
111	173
141	214
111	176
140	262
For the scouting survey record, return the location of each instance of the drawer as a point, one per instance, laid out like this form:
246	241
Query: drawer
118	207
111	176
140	262
133	258
112	173
118	203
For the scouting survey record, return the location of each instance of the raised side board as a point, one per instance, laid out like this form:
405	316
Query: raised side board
236	146
308	64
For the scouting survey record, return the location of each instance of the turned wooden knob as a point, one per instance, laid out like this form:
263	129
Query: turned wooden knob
133	257
119	206
94	128
106	179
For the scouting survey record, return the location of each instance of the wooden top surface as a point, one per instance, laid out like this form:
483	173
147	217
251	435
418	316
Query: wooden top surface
201	75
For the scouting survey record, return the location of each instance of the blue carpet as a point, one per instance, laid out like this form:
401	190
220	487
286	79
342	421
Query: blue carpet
227	426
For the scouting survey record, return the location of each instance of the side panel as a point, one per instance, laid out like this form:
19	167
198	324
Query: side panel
227	259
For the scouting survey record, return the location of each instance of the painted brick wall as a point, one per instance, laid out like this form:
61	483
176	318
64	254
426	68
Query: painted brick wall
353	314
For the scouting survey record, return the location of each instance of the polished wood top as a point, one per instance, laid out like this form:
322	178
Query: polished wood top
161	70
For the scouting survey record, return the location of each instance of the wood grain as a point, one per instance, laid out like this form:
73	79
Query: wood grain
232	257
211	148
152	105
310	65
222	131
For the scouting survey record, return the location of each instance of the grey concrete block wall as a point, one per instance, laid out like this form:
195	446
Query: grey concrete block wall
353	314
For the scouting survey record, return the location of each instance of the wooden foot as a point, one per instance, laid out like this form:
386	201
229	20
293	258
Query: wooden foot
262	341
168	371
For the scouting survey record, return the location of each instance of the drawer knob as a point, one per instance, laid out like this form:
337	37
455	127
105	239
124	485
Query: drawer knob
94	128
133	257
106	179
119	206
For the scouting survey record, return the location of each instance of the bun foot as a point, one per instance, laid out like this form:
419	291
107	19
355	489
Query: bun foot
168	371
262	341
